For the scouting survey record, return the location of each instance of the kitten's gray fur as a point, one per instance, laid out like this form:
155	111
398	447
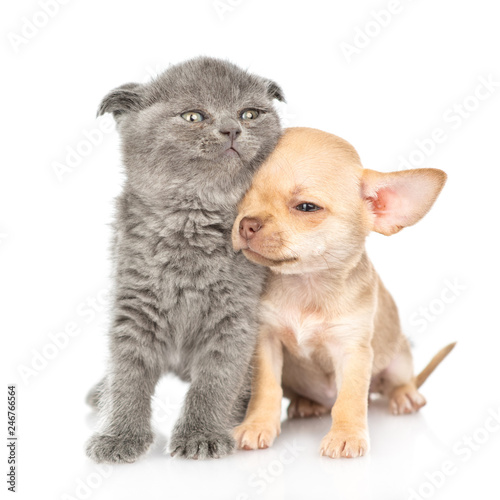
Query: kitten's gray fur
183	301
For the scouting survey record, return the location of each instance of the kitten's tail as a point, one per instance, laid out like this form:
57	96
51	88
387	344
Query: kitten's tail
434	362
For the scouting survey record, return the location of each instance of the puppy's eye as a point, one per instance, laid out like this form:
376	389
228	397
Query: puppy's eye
193	116
249	114
307	207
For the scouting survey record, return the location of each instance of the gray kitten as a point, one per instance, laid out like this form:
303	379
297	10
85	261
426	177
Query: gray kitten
183	301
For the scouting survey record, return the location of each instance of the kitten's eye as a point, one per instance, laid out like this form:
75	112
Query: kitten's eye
307	207
193	116
249	114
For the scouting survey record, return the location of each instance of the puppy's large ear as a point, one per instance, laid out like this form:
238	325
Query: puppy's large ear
400	199
274	91
127	97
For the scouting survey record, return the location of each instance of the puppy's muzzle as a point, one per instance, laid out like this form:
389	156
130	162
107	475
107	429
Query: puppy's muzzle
249	227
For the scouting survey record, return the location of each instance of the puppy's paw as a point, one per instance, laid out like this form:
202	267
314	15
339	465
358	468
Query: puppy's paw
406	399
124	448
349	443
300	407
254	435
198	445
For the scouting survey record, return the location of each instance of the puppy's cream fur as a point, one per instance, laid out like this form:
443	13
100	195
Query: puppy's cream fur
330	330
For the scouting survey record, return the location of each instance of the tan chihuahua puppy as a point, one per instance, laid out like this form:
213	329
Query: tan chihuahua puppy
330	331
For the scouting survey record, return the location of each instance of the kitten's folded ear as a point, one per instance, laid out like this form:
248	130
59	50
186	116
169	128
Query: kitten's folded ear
127	97
274	91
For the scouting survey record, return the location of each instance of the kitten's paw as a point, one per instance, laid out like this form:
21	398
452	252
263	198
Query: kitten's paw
94	395
406	399
254	435
124	448
198	445
300	407
350	443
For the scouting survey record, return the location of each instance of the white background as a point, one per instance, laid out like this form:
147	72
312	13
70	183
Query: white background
55	233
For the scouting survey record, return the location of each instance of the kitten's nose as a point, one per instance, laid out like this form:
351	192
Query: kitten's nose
231	132
249	227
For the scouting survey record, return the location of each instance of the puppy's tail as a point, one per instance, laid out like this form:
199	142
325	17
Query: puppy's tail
422	376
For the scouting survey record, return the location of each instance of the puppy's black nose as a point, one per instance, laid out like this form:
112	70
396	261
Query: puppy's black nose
249	227
232	133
